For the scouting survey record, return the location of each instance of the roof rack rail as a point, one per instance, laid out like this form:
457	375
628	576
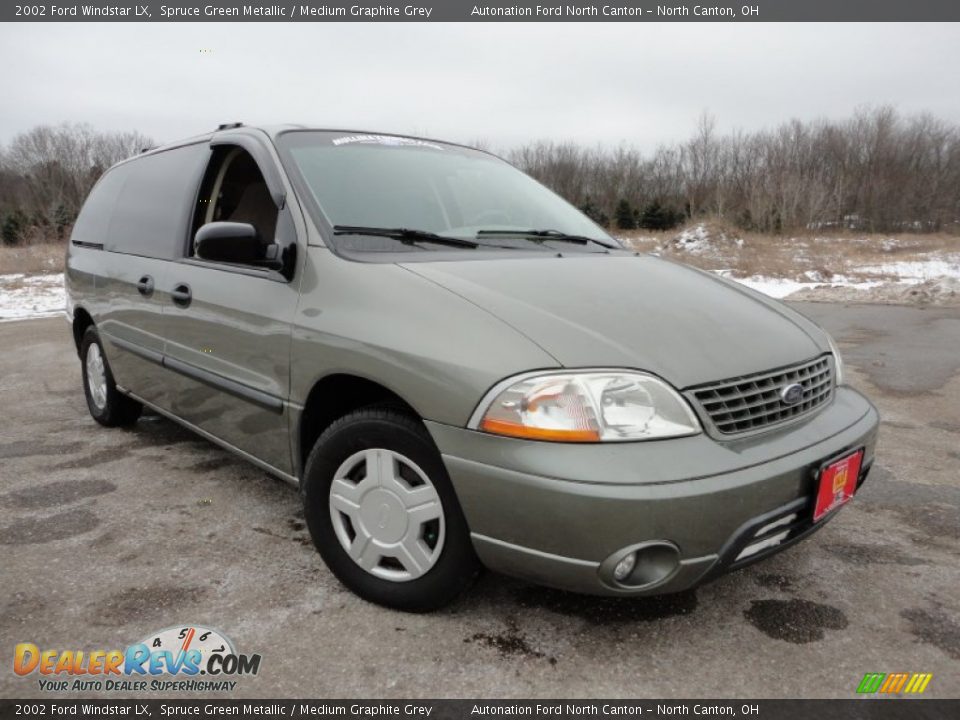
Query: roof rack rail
229	126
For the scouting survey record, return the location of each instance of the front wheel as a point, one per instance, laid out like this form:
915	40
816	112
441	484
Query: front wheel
107	405
383	514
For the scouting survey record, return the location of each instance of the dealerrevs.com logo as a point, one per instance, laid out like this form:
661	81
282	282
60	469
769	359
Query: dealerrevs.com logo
185	658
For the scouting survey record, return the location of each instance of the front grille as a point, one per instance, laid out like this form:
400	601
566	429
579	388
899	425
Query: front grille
753	402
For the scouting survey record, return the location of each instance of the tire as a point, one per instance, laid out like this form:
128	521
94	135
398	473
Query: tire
373	484
107	405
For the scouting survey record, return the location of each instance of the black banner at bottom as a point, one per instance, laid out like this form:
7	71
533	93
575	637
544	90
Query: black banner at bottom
868	708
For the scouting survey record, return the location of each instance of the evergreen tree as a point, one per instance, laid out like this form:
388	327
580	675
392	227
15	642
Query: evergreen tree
657	217
14	225
624	215
652	217
61	218
592	211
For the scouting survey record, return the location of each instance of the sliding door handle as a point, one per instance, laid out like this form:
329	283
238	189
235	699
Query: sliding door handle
181	295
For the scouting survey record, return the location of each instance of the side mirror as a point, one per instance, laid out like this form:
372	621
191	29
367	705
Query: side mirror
233	242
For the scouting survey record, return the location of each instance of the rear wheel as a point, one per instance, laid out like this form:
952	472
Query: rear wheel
107	405
382	512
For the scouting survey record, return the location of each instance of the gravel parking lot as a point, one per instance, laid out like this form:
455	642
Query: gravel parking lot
108	535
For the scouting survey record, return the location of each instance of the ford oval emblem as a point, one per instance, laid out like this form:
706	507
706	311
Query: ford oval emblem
791	394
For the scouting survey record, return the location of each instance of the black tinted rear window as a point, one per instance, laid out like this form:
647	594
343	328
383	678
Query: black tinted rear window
154	206
143	207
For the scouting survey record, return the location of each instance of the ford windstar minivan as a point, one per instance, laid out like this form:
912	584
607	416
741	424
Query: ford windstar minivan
456	367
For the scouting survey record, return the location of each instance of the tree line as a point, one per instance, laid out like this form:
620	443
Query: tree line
46	173
875	171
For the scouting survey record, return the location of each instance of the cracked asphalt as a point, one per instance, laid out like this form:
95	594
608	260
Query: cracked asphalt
109	535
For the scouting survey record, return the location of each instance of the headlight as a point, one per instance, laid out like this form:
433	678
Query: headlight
594	406
837	360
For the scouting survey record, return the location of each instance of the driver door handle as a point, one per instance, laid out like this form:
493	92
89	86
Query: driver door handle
181	295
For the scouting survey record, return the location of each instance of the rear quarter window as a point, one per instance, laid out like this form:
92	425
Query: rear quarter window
93	222
153	207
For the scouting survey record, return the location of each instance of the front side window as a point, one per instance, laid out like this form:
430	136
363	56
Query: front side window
234	190
390	182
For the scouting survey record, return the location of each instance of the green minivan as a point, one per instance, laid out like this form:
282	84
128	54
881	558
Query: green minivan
456	367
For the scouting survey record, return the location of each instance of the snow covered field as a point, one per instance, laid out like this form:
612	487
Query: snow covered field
31	296
899	273
782	288
908	269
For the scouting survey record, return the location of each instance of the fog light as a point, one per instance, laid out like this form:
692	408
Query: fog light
641	566
623	569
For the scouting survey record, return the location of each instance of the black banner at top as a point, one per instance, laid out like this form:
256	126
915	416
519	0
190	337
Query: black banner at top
478	11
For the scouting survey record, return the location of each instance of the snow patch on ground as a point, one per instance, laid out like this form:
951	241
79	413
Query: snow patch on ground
31	296
913	282
695	240
780	287
935	291
774	287
917	270
703	240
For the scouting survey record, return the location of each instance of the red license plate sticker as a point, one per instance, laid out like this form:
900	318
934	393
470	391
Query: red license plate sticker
838	482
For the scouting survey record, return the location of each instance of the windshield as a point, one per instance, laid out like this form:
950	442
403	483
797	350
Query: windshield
380	181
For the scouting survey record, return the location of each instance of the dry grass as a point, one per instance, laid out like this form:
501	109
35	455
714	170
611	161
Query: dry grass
39	259
798	256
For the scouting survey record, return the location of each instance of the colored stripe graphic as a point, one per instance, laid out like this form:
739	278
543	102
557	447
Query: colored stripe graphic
923	679
894	683
871	682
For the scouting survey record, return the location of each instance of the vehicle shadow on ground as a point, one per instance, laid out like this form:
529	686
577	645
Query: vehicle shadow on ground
506	595
155	429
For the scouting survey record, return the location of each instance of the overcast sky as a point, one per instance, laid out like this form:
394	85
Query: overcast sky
638	83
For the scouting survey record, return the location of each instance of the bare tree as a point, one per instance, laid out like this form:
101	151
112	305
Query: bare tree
876	171
46	172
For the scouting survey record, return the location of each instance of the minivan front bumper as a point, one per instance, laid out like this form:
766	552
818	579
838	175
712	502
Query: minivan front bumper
563	514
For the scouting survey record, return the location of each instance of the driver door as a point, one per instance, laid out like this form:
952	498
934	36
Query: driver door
227	326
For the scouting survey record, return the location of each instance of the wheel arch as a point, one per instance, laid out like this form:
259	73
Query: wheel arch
332	397
81	321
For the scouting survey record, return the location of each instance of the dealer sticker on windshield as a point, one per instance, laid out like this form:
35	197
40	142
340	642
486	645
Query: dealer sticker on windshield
838	482
394	140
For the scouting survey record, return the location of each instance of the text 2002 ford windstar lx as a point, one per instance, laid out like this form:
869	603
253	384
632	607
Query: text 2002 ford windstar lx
456	366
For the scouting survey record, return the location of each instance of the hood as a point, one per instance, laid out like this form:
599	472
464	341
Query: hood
633	312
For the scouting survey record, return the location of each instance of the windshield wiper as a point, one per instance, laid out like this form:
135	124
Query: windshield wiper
404	235
544	235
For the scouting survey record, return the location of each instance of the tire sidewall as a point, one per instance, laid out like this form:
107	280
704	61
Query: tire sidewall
102	415
118	410
457	564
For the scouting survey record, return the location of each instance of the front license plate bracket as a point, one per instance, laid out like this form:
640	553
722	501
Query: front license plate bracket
836	482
